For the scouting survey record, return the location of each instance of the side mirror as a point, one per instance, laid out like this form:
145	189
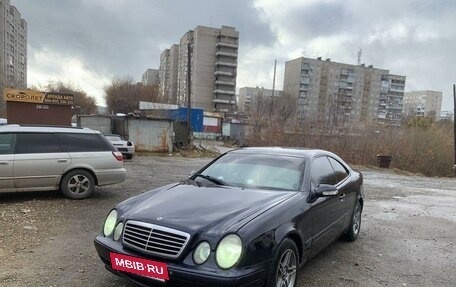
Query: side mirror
192	173
325	190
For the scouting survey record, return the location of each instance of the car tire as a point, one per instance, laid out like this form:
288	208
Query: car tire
77	184
128	156
284	269
355	224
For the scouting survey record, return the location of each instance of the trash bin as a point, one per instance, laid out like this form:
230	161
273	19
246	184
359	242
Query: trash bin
384	161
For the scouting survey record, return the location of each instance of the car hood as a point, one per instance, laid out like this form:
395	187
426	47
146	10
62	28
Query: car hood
196	209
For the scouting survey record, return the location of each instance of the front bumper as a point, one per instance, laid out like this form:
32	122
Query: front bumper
180	275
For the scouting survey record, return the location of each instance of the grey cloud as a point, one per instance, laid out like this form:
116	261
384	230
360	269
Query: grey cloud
319	19
124	37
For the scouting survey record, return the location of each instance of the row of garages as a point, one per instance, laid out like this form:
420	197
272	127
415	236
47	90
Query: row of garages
164	134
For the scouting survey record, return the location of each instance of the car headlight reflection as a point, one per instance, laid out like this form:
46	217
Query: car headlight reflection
118	231
228	251
201	253
110	223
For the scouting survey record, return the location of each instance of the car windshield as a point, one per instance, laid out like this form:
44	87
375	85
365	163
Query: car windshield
272	172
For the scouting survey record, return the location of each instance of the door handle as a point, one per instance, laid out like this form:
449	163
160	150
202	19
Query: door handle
342	196
3	163
62	160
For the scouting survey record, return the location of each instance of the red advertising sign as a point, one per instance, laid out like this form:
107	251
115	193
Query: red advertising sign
139	266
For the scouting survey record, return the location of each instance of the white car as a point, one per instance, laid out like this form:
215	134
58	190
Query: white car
127	148
74	160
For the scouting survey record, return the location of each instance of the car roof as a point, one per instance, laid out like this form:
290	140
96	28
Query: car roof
112	135
48	129
287	151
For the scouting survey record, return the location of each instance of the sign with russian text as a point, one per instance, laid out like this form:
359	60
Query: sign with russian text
139	266
35	97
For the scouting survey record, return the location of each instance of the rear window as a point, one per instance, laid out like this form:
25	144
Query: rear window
6	143
72	142
37	143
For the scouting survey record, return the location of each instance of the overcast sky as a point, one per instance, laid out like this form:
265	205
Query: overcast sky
89	42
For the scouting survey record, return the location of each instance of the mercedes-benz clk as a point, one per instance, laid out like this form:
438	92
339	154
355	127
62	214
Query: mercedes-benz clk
251	217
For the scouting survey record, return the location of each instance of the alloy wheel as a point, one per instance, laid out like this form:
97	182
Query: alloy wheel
78	184
356	219
286	270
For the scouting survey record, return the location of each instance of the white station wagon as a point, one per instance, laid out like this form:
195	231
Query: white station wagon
73	160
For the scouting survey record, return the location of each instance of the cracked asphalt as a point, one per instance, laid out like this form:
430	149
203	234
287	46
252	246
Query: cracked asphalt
408	233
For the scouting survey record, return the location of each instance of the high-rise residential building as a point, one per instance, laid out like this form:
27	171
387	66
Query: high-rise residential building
340	94
13	50
248	97
150	77
168	74
423	103
213	66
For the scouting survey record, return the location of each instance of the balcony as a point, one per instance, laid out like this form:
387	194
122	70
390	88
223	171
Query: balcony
224	73
397	89
305	80
227	54
229	45
221	101
228	64
226	92
225	83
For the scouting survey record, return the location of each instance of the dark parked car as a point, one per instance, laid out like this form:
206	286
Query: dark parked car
249	218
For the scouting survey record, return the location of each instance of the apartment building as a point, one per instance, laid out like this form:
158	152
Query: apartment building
13	50
343	94
423	103
150	77
213	68
168	74
248	97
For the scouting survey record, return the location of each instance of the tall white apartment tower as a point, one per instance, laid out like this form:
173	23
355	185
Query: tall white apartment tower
213	67
13	50
168	74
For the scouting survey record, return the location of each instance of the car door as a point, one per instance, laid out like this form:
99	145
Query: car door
39	161
327	212
347	191
6	162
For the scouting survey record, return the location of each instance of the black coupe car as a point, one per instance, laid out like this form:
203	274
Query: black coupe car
251	217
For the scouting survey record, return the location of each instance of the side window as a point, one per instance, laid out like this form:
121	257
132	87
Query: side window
340	171
37	143
75	142
322	172
6	143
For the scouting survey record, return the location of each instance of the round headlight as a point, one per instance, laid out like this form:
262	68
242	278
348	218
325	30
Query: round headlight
201	253
110	223
118	231
228	251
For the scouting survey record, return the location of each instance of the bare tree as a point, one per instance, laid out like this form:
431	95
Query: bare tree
123	95
284	109
83	103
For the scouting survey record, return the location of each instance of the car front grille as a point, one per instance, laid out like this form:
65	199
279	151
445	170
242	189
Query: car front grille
154	239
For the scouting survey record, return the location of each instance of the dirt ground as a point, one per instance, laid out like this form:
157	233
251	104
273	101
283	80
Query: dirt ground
408	235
